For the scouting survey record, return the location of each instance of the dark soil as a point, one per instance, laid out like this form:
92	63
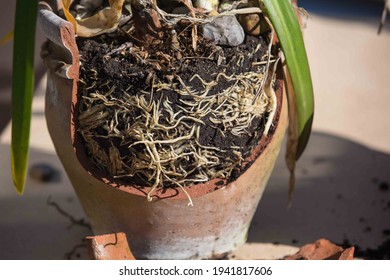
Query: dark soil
110	58
384	186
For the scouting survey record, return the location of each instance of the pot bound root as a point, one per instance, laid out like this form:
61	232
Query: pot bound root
166	130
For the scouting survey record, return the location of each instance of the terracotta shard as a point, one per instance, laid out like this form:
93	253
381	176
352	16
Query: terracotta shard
322	249
347	254
112	246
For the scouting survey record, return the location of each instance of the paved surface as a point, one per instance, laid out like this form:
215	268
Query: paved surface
343	179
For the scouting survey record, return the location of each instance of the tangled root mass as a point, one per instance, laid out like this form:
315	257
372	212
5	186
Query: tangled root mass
160	117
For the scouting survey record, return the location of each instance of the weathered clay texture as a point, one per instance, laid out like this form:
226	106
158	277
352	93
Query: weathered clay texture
109	247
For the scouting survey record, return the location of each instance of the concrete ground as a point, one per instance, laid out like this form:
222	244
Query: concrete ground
343	178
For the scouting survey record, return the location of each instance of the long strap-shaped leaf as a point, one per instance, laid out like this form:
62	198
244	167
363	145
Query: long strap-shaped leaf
286	25
22	87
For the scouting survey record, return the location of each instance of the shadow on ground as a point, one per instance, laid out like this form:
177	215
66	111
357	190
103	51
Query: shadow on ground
30	228
342	194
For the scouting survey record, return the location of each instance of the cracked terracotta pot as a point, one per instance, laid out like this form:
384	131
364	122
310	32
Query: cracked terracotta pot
166	228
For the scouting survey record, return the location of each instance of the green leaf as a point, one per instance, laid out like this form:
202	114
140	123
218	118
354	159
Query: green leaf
22	88
286	25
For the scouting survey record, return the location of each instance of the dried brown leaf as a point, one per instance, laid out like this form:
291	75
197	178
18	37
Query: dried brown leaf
292	135
146	22
7	38
105	20
386	10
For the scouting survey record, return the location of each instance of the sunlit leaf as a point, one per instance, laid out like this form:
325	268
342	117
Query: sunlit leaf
22	88
286	25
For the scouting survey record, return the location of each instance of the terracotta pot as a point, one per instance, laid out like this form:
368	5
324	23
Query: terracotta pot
166	228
